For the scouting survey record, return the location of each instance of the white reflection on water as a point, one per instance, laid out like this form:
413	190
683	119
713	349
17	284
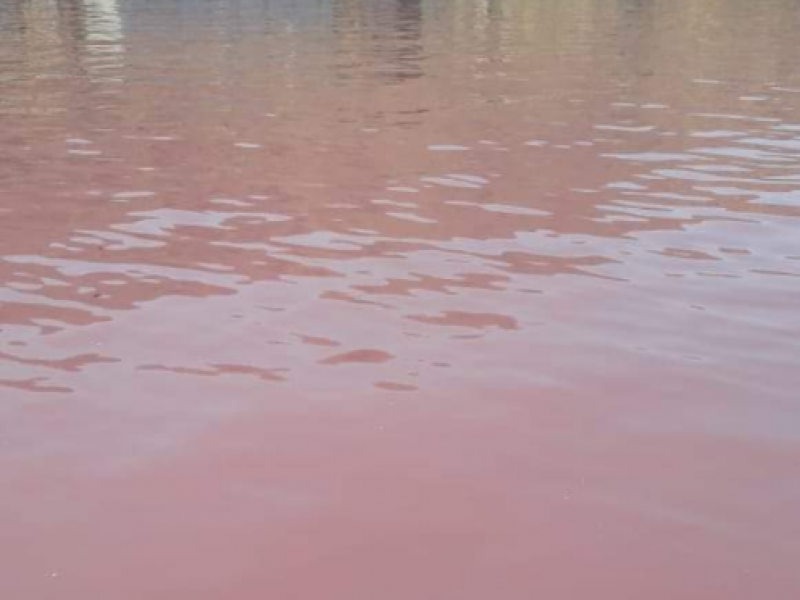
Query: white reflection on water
103	21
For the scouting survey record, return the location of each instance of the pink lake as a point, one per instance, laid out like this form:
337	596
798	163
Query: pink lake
399	300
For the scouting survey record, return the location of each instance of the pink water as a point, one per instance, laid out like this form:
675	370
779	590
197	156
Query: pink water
399	299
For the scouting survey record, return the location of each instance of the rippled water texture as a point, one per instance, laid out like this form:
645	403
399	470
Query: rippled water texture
399	299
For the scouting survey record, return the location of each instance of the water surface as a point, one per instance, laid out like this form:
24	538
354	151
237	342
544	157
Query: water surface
358	299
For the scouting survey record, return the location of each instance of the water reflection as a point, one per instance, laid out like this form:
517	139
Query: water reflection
103	21
527	140
381	39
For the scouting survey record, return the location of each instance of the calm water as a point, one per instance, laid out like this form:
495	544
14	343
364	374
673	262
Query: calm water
399	299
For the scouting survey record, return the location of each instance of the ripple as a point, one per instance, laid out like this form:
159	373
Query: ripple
362	356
